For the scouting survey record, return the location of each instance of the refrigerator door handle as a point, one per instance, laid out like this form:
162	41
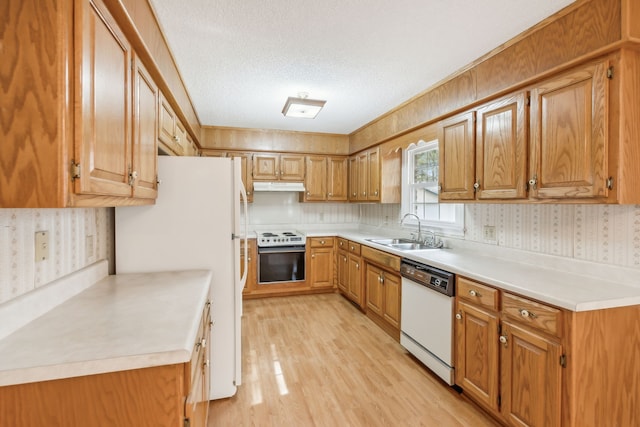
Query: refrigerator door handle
243	192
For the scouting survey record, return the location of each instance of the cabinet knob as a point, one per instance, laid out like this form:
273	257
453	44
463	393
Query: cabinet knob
203	342
176	138
330	194
364	193
533	182
344	259
375	193
249	259
474	293
476	185
248	193
527	314
308	193
357	265
458	316
313	256
503	340
353	248
322	242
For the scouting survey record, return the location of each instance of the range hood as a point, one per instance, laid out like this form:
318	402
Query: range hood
278	186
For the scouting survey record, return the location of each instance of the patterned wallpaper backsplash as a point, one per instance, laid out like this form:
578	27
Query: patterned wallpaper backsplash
70	234
608	234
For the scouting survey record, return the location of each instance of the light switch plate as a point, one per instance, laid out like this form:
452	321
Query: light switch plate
42	245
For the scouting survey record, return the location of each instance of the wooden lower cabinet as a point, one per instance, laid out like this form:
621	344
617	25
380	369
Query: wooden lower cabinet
320	263
531	364
477	352
354	274
349	272
169	395
382	289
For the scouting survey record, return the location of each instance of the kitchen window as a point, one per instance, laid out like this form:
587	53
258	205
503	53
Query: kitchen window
420	181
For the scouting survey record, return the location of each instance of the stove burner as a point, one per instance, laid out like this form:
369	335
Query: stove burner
269	235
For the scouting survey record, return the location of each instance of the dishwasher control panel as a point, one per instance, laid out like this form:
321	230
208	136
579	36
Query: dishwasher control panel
431	277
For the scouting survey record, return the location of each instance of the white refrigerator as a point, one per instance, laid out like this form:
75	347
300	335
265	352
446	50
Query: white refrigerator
195	224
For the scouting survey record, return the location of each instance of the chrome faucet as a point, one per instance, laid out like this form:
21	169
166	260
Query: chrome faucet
417	218
433	241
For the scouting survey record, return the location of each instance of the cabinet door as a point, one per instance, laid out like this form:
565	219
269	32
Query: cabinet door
391	287
363	176
104	90
266	167
145	133
375	292
476	359
167	124
373	174
569	135
354	175
456	142
247	180
181	139
501	149
291	167
337	179
356	293
321	269
316	180
342	265
531	378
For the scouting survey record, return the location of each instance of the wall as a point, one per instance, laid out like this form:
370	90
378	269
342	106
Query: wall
68	232
607	234
282	210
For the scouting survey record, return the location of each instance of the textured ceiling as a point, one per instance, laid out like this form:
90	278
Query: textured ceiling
241	59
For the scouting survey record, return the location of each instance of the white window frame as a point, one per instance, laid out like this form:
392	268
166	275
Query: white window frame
448	228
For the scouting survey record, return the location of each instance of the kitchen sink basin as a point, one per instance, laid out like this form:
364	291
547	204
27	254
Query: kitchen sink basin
402	244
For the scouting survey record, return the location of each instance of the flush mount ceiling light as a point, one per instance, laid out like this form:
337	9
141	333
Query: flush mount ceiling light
302	107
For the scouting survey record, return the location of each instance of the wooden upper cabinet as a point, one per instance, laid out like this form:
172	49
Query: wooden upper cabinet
373	176
456	143
273	167
326	179
171	133
145	133
354	176
316	180
337	176
501	148
569	135
291	167
103	91
247	180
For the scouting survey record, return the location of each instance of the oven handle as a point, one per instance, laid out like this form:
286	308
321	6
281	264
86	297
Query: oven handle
281	249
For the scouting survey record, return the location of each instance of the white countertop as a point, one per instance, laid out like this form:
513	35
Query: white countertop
549	283
122	322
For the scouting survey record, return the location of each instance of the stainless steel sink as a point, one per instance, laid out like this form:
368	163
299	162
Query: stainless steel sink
401	244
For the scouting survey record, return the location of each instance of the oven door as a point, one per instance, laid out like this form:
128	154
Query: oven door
281	264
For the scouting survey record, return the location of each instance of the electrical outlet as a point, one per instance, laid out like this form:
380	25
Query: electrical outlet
42	245
489	233
90	247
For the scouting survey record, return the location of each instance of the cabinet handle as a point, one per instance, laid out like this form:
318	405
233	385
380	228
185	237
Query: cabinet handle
459	316
357	266
133	176
345	259
313	256
476	186
353	248
474	293
382	279
203	342
355	194
322	242
249	259
248	193
176	138
205	363
341	243
533	182
364	193
375	193
503	340
527	314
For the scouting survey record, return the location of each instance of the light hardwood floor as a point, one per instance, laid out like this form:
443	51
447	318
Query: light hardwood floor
317	361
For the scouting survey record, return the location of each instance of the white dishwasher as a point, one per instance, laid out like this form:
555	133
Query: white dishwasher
427	316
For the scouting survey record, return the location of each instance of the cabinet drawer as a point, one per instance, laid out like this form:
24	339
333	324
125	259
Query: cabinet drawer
354	247
531	313
477	293
343	243
321	242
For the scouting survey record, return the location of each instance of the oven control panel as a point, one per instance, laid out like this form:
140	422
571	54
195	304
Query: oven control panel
425	275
